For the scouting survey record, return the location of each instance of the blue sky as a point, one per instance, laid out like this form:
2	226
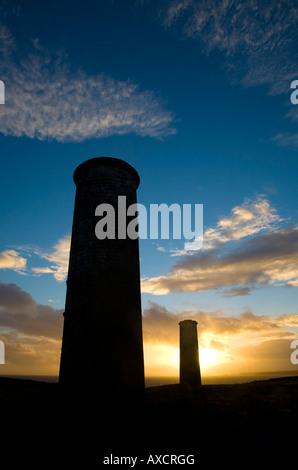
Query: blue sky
196	96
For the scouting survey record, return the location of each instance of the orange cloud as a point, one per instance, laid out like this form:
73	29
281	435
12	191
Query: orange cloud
228	344
270	258
31	333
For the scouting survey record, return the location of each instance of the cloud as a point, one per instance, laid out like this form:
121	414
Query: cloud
30	355
265	259
252	217
236	254
46	99
269	355
286	139
161	325
31	333
20	312
258	39
13	300
240	344
236	291
32	336
58	258
10	259
7	42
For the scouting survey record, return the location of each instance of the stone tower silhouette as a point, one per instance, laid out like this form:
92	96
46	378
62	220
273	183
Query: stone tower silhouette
190	373
102	341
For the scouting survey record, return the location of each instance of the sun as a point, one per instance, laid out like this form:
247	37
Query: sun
209	357
163	359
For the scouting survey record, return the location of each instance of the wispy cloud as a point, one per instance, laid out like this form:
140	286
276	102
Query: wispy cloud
260	37
258	41
45	99
236	291
257	255
286	139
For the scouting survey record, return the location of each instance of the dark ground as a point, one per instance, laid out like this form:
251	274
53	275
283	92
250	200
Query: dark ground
219	424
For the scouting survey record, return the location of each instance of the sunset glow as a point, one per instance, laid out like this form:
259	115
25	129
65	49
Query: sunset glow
163	360
209	357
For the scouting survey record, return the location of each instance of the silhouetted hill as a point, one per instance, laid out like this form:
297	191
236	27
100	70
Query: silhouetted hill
222	423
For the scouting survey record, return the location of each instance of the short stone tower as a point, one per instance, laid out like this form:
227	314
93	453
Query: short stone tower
102	343
190	373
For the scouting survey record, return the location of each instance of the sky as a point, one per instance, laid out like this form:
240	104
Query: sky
196	95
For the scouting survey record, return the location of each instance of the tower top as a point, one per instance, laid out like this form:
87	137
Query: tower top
188	322
105	161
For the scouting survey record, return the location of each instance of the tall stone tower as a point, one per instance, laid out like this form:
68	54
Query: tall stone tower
190	373
102	344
